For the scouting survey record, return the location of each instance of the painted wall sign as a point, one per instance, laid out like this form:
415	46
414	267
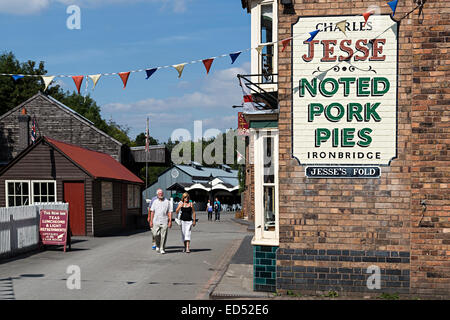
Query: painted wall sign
342	172
53	226
242	125
344	108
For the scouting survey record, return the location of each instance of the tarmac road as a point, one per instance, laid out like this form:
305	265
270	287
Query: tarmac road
125	267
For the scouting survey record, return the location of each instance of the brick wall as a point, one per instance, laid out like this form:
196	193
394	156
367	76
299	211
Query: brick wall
430	244
375	215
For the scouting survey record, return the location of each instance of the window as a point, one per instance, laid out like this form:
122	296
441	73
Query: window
267	57
26	192
17	193
44	191
269	183
107	195
266	187
134	196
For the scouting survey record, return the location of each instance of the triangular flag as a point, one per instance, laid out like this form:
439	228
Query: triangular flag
95	78
341	25
234	56
207	63
47	81
78	80
150	72
366	16
179	68
239	156
285	43
313	35
393	5
260	47
124	76
17	77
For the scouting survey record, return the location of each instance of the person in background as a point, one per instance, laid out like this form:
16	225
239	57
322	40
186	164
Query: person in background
187	218
148	219
209	209
217	209
160	221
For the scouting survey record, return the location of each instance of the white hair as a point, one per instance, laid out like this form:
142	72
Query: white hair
158	190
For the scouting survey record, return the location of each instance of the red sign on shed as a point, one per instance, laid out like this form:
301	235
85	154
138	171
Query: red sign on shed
53	226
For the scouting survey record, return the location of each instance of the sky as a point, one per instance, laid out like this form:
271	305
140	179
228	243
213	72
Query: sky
125	35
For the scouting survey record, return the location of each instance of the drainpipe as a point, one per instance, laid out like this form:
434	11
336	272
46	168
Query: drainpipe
24	130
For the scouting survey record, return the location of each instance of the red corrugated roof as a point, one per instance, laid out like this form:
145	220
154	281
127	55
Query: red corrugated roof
97	164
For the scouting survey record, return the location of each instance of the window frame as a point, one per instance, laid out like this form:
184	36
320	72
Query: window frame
43	181
262	236
256	40
111	205
30	190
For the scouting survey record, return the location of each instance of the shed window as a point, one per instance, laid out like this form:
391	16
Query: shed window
17	193
44	191
107	195
134	196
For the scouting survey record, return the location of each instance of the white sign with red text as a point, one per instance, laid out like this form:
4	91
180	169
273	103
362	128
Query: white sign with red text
344	104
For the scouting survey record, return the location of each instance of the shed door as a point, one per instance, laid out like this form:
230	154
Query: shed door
74	195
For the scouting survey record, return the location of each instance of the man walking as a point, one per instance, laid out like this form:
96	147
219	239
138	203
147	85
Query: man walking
217	209
160	220
148	219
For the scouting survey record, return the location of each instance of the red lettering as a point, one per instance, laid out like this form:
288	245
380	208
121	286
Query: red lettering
377	49
362	49
328	51
310	50
346	49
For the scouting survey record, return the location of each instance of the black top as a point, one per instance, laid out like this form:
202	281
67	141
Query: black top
186	213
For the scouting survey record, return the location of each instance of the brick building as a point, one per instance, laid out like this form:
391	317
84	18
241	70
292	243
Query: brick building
319	224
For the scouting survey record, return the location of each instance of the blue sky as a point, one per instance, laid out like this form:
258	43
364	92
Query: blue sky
125	35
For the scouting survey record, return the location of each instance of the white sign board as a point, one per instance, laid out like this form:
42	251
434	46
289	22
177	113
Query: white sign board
344	108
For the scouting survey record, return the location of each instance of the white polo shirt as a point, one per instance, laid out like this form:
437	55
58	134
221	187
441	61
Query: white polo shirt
161	209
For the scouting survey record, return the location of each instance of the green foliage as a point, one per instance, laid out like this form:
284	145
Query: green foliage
331	294
140	140
293	294
13	93
388	296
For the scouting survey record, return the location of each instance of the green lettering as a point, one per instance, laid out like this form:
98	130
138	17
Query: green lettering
313	110
339	115
322	135
363	85
363	134
323	90
354	110
346	82
370	112
347	137
376	81
312	88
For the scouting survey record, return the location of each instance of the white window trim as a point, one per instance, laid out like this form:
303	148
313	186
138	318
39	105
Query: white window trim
30	189
256	41
265	237
42	181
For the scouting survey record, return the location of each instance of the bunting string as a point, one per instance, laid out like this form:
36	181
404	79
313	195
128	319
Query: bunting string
207	62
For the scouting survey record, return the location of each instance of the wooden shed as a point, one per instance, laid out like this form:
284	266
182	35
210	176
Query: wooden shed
103	195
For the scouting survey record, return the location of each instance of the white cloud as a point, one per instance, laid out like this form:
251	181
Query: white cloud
23	7
211	103
27	7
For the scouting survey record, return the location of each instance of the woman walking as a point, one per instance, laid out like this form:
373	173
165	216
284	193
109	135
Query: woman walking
209	208
187	218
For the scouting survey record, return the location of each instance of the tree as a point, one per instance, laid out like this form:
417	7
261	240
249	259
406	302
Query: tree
13	93
140	140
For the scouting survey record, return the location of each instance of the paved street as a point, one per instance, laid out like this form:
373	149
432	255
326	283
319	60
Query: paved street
125	267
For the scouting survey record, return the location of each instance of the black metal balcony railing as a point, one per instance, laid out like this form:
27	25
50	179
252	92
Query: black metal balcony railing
263	100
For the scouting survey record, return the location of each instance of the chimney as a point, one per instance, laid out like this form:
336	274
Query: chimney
24	130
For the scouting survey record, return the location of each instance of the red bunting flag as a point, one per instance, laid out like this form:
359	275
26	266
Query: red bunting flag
124	76
285	43
366	16
78	80
208	63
